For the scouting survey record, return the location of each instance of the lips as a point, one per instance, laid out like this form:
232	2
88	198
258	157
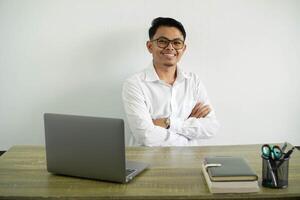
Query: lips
169	55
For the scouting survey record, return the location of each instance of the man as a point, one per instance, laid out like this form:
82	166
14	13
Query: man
166	106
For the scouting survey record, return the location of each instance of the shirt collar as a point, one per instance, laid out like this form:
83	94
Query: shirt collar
181	75
151	75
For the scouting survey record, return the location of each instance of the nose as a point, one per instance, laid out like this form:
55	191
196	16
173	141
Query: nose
170	46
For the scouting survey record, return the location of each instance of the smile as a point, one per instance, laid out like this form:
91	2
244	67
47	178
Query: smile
169	54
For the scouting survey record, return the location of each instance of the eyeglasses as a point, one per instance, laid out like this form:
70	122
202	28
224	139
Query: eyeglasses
163	42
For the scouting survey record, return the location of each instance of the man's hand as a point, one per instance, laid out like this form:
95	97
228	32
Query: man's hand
160	122
200	110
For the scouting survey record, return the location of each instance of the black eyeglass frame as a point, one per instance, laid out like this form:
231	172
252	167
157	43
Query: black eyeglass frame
169	41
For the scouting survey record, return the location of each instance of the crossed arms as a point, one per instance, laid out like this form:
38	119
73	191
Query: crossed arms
200	124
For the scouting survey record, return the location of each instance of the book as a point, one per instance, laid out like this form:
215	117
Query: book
230	169
229	186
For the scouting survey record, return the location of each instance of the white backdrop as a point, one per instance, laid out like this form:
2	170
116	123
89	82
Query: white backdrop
72	56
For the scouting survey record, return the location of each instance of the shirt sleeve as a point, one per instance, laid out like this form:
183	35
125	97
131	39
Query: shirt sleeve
140	121
197	128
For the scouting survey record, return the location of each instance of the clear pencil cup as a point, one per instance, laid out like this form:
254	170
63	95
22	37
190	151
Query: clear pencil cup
275	173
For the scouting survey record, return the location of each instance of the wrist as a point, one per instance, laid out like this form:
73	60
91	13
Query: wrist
167	123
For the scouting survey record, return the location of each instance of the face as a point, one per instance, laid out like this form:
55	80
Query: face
168	56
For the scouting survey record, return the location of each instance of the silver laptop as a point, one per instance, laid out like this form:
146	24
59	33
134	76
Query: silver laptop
88	147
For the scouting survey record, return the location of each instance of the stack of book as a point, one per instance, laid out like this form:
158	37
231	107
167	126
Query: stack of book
224	174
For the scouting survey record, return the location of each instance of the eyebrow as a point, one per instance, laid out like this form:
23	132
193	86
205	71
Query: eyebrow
169	39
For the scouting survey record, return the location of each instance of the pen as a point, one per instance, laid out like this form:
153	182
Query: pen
288	154
284	147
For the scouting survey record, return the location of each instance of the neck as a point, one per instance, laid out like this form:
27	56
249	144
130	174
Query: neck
166	73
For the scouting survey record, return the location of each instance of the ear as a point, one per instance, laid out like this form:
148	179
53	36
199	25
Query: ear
149	46
184	48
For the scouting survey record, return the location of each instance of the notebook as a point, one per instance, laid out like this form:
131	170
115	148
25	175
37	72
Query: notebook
230	169
88	147
229	186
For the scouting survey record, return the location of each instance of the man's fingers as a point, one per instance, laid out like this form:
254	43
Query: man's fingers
203	111
200	110
198	114
159	122
206	112
196	108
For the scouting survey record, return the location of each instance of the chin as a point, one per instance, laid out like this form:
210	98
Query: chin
169	64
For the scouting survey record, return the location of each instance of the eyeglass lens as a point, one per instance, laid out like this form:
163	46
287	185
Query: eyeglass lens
163	43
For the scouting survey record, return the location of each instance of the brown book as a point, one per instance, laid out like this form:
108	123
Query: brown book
229	187
227	168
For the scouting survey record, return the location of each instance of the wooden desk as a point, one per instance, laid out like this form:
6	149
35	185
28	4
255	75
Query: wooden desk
174	174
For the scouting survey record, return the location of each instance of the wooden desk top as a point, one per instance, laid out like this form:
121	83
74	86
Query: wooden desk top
174	173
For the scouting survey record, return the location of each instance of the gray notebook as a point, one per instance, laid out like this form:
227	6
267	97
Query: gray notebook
231	169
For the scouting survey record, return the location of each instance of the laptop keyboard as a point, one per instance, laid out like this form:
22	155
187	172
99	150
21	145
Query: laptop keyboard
130	171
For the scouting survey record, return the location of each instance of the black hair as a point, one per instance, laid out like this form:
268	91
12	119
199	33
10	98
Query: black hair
165	21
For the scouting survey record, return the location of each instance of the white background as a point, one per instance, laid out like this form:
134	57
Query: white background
72	56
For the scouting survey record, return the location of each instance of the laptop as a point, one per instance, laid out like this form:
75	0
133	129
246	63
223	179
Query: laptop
88	147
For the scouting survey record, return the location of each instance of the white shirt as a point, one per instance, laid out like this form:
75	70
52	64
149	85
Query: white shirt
146	97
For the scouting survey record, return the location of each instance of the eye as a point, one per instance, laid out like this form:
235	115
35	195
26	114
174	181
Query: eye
163	41
177	42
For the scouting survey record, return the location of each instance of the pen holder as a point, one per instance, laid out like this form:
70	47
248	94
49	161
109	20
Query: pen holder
275	173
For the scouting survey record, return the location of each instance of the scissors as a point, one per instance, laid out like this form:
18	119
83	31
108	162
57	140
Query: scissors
271	152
